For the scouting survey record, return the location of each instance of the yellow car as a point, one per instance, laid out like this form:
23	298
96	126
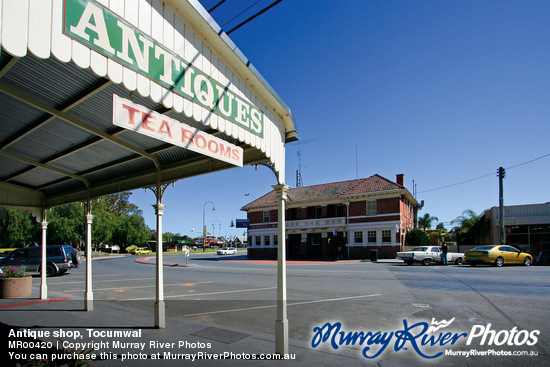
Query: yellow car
497	255
142	251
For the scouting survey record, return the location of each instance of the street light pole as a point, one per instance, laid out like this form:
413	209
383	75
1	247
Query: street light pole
204	225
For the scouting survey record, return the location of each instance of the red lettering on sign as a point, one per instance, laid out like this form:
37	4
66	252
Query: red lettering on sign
236	155
186	136
148	121
132	111
200	141
225	151
165	129
213	146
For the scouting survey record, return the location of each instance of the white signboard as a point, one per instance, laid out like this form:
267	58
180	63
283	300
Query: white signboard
131	116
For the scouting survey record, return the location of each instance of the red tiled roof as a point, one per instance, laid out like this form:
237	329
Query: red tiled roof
372	184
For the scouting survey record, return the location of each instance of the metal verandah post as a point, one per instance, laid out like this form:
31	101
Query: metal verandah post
281	324
160	316
43	282
89	296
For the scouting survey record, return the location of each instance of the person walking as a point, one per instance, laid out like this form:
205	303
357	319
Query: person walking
444	250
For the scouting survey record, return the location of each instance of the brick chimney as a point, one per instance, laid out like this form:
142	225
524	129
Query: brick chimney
399	179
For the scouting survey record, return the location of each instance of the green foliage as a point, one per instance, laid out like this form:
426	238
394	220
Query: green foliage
130	230
425	222
471	229
12	272
116	221
417	237
17	228
66	225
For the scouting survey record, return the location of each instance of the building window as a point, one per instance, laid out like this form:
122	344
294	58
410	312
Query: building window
258	241
267	241
275	240
315	238
371	207
386	235
267	217
358	237
294	214
371	236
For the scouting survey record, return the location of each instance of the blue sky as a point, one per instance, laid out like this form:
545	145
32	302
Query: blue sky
441	91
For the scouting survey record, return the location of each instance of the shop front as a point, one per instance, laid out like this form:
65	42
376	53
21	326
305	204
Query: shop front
100	97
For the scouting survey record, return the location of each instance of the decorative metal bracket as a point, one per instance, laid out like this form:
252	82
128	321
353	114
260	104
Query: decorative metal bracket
159	193
271	166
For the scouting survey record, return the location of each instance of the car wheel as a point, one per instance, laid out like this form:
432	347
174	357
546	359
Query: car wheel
499	262
426	262
76	258
409	262
459	261
472	263
50	271
527	261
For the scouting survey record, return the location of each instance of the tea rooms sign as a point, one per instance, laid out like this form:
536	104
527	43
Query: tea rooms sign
135	117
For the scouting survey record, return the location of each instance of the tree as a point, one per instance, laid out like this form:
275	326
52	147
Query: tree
66	225
425	222
17	228
130	230
119	204
417	237
472	229
116	221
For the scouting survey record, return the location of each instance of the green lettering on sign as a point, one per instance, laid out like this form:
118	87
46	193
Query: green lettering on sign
95	26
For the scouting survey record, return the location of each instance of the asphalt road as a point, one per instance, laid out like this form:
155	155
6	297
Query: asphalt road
362	296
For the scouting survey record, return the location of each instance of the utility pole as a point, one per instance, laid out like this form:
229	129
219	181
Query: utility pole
501	175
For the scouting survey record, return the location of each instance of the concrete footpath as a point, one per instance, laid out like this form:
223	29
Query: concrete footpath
123	336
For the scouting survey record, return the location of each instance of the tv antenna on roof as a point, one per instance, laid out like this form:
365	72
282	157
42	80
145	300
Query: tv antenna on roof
299	181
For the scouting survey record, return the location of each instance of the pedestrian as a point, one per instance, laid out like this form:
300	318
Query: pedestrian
444	250
340	255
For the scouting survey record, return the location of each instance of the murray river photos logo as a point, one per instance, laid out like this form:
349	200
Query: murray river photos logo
427	340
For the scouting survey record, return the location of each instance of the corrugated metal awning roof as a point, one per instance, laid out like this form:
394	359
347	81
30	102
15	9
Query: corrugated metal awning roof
58	143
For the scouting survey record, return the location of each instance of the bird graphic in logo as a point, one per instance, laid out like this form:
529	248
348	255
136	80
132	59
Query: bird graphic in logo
436	325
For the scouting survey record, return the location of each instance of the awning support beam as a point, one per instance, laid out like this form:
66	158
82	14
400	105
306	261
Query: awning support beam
74	121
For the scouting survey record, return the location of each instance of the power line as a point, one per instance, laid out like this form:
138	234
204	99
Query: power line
238	15
480	177
215	6
254	16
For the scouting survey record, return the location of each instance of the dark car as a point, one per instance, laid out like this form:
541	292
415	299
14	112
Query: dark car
59	259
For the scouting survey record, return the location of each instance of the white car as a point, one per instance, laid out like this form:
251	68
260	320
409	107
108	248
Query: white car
428	254
227	251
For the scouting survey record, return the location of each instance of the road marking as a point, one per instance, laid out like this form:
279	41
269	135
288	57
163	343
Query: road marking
288	304
30	303
146	286
203	294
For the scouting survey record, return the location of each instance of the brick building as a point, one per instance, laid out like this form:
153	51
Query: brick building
357	216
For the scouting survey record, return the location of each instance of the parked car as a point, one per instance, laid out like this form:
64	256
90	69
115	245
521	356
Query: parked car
227	251
59	259
428	254
141	251
497	255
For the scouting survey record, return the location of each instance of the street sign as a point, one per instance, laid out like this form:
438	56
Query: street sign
242	223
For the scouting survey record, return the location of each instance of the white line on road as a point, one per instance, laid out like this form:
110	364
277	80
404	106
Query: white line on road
288	304
202	294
